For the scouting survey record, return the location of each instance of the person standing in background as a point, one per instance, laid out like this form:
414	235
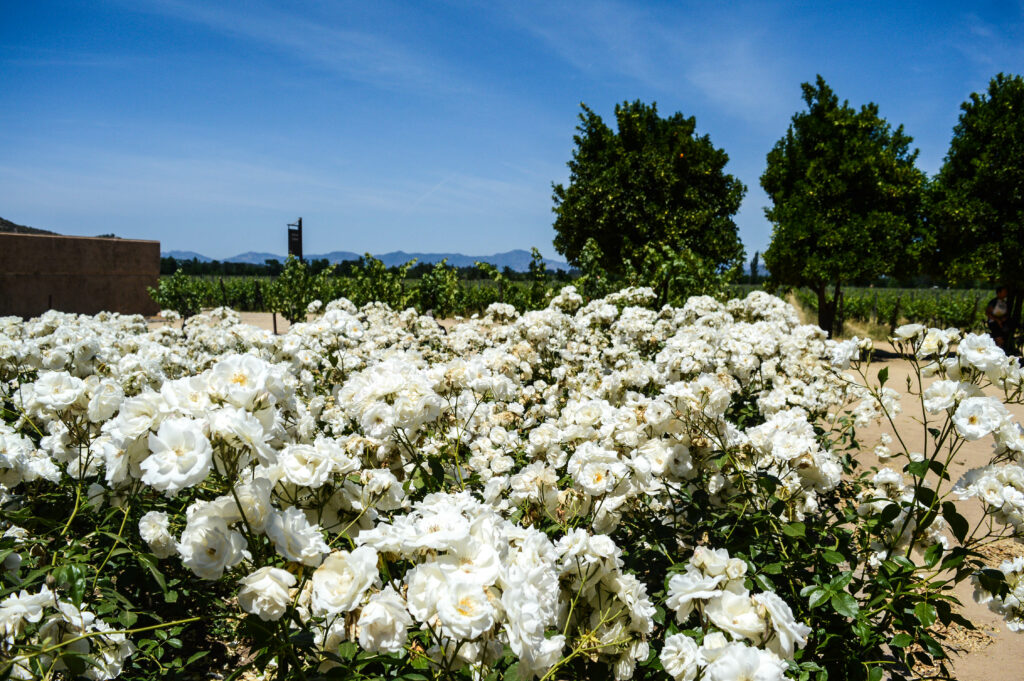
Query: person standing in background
997	312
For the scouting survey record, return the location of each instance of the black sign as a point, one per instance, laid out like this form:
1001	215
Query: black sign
295	239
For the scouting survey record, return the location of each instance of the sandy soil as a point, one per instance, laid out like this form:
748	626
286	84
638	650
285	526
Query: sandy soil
992	652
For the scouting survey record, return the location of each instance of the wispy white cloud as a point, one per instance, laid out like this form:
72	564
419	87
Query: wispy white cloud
468	194
985	42
179	199
362	56
742	70
36	57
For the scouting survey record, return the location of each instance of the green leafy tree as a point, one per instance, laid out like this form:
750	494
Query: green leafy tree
755	266
373	281
593	281
539	292
297	287
677	275
439	290
977	199
846	200
178	292
656	182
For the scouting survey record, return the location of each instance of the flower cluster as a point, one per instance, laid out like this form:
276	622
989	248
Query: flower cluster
49	622
744	635
1011	605
453	496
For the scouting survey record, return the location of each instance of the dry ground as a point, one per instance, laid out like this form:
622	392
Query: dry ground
993	652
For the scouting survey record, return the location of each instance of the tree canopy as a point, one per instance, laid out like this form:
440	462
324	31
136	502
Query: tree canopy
846	199
977	199
655	182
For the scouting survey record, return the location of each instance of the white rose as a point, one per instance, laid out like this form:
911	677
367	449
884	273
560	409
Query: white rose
153	527
265	593
908	331
208	546
378	420
240	380
473	562
180	457
384	622
710	561
105	400
595	469
736	614
790	633
58	390
340	582
294	538
426	584
254	498
940	395
692	585
976	417
381	489
305	465
442	531
744	662
680	657
980	352
464	610
715	643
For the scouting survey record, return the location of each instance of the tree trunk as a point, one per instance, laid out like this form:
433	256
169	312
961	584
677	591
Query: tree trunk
1016	297
826	310
840	312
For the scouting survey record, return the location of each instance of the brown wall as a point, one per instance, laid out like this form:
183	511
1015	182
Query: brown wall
76	274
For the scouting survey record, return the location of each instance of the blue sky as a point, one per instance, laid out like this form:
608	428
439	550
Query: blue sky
428	126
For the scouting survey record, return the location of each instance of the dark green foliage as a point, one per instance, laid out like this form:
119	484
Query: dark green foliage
977	199
654	182
846	199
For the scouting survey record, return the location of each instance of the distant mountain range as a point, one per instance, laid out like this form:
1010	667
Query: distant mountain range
518	260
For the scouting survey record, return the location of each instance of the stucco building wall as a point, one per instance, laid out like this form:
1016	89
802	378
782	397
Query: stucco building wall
76	274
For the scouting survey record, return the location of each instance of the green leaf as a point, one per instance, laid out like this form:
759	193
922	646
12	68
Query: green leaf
889	513
833	557
840	581
925	614
932	646
925	496
939	469
883	375
957	523
902	640
875	674
845	604
932	555
818	596
917	468
794	529
764	582
149	561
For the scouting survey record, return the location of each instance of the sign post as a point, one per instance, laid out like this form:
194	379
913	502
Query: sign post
295	239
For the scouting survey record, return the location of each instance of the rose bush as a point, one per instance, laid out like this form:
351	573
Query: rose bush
589	490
